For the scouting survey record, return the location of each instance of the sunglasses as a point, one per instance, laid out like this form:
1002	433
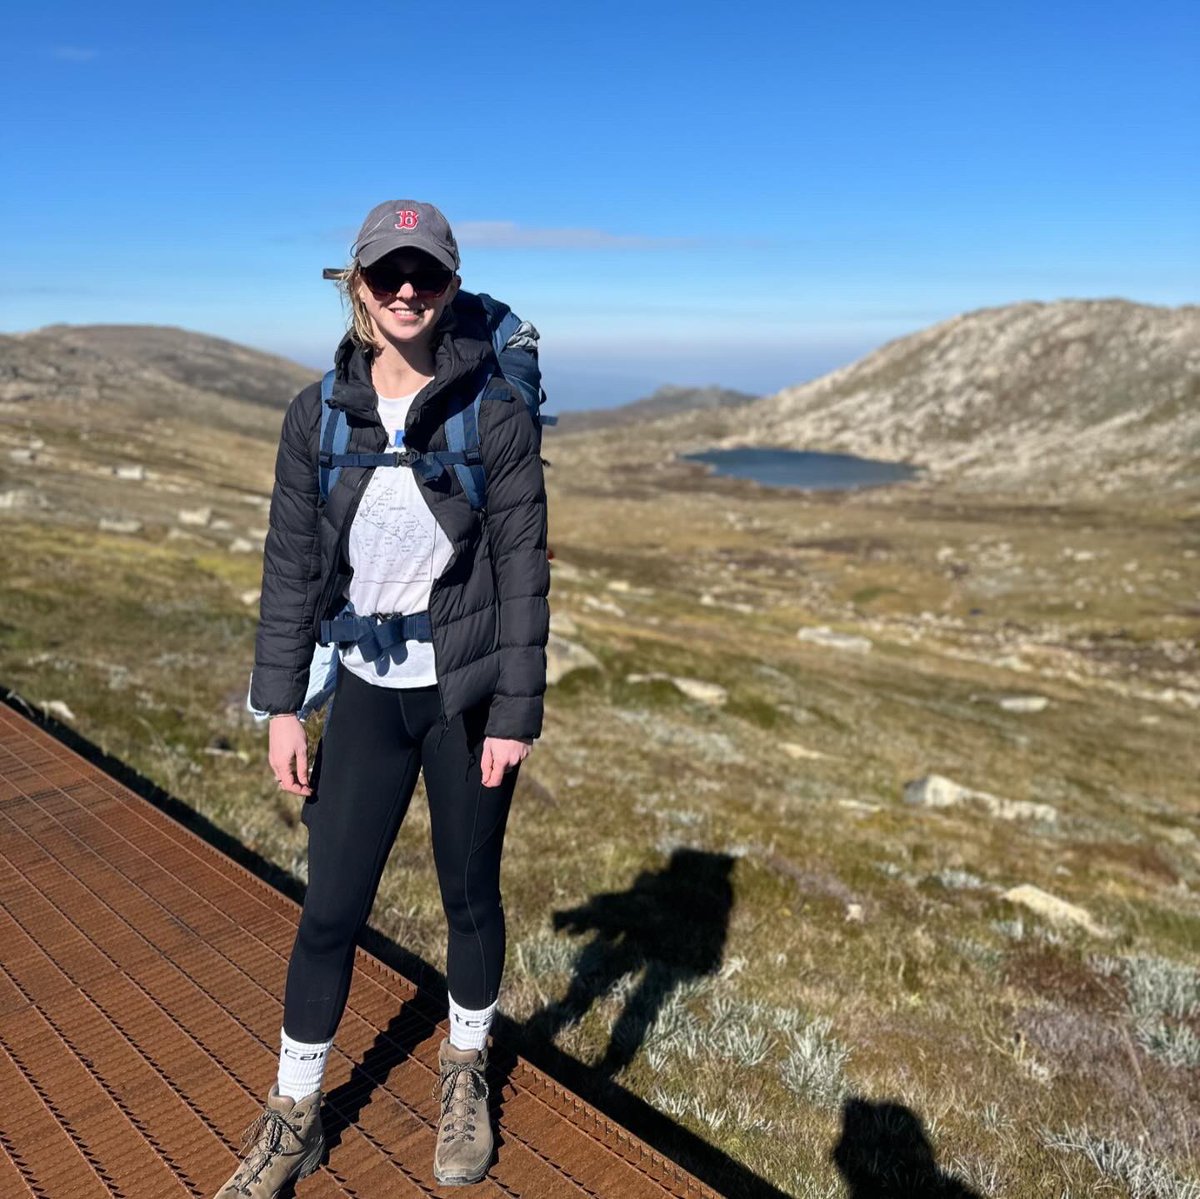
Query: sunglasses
387	278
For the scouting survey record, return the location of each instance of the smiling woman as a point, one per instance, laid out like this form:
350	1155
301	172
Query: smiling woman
416	546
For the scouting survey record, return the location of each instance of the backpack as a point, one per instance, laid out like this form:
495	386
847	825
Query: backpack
515	342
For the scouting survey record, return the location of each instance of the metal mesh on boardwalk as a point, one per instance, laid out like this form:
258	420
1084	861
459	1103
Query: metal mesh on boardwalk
141	976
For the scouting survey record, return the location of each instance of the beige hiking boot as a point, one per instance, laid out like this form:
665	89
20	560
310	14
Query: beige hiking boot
285	1142
464	1140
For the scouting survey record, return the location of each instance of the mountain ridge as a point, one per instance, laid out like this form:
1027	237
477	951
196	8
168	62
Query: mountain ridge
1080	386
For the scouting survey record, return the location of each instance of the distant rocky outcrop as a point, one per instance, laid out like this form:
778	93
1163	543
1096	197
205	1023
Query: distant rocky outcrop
1094	394
666	401
146	369
1071	387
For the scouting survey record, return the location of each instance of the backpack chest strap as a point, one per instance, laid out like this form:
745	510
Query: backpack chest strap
428	465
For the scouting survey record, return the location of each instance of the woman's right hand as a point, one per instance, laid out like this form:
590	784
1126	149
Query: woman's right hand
288	754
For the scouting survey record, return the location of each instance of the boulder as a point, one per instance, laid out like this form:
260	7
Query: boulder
120	525
800	752
560	622
822	635
937	791
706	693
563	656
22	498
134	474
197	517
1056	910
1023	703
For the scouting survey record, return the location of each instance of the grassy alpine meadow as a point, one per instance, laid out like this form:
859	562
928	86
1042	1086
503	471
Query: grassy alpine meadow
732	885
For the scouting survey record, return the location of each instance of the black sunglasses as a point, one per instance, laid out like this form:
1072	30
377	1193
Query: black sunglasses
387	278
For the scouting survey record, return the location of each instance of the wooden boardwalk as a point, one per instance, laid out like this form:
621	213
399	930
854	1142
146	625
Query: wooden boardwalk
141	978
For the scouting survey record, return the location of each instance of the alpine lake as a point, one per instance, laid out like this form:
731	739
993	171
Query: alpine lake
805	469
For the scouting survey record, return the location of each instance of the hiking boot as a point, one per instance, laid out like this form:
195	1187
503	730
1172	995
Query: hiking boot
464	1140
285	1142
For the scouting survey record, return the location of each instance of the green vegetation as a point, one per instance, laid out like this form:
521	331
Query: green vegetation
863	952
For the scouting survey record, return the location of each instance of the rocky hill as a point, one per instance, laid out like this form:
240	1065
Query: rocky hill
143	368
126	424
1100	393
666	401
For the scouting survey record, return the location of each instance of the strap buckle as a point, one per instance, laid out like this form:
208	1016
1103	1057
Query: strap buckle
406	456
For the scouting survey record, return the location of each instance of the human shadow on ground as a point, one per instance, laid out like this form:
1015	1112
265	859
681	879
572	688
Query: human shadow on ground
883	1153
407	1029
668	928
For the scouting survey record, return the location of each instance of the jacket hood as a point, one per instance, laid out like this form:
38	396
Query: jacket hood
462	348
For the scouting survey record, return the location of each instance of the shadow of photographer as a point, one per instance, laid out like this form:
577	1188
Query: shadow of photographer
883	1153
669	927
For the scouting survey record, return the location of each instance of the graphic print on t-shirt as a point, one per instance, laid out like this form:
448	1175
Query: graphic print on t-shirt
397	542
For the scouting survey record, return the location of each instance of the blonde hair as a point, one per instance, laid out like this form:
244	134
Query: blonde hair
361	327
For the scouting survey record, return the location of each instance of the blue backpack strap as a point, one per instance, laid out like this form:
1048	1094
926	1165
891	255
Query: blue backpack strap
335	436
462	437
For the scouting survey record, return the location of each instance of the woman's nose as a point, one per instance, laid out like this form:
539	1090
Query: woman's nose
407	291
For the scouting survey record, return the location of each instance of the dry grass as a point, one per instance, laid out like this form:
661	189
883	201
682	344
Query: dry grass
773	948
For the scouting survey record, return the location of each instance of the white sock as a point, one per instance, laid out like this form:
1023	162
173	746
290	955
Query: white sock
301	1066
469	1029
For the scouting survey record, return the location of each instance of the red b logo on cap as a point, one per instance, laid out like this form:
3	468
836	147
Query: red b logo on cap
408	219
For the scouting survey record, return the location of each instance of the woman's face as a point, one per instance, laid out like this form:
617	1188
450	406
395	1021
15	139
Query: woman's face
396	291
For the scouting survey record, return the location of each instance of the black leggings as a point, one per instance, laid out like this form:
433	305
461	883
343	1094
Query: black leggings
376	741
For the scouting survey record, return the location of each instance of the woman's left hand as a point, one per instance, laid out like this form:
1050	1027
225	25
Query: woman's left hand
500	754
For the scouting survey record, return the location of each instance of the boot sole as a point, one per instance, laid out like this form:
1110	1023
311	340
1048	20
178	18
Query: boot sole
462	1180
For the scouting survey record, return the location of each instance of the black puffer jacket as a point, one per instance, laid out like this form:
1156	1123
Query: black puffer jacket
489	608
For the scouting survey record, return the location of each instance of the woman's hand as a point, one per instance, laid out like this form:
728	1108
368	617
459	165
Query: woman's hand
288	754
499	756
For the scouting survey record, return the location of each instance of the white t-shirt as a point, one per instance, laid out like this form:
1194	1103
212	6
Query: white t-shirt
397	548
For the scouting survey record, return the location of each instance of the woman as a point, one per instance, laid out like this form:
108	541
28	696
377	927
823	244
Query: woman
454	690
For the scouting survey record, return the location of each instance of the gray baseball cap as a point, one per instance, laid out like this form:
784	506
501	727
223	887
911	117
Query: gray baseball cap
405	225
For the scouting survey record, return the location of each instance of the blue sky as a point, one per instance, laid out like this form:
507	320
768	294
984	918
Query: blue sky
747	193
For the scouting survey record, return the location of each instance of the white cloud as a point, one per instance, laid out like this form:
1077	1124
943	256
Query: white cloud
504	235
73	53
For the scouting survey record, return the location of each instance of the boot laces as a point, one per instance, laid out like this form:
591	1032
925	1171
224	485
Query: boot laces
273	1124
460	1109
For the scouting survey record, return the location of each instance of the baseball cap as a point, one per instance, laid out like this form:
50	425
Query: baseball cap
405	225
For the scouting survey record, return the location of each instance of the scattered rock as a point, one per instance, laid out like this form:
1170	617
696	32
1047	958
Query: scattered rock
602	605
937	791
560	622
135	474
619	585
1012	662
239	545
854	913
822	635
59	710
221	526
250	598
197	517
564	570
1023	703
800	752
697	689
23	455
563	656
859	806
125	525
22	498
1056	910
